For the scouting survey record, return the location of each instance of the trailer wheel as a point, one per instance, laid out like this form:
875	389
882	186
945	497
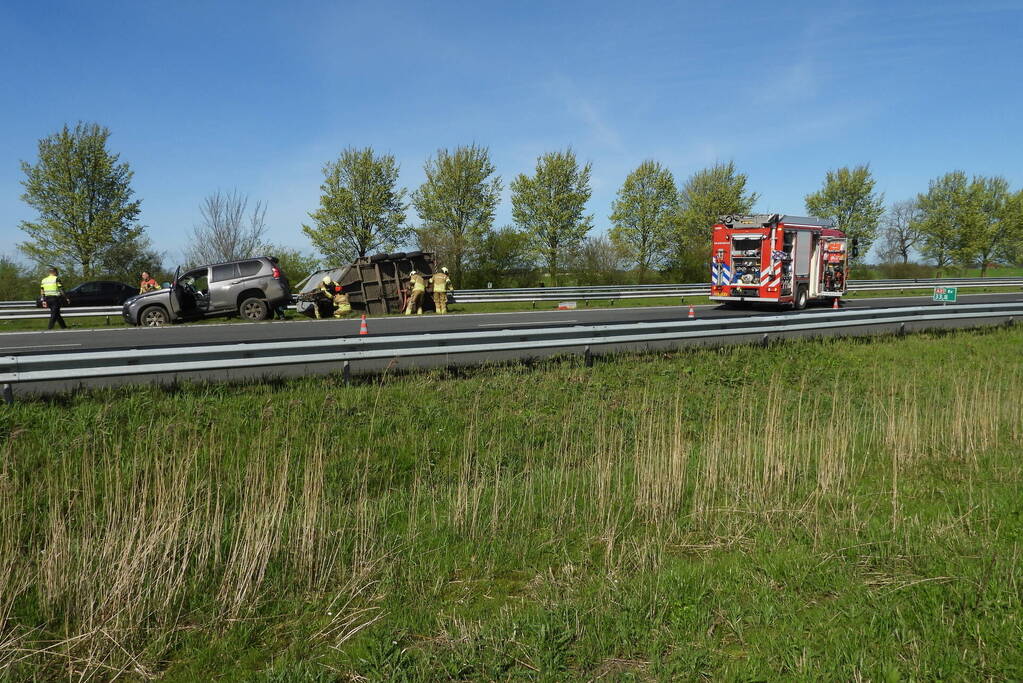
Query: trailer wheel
799	303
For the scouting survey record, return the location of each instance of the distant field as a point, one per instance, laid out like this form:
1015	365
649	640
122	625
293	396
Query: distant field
817	510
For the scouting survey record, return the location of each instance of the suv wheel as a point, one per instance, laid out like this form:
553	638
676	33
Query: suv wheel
253	309
154	316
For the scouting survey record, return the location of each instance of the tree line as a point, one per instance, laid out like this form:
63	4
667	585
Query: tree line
88	217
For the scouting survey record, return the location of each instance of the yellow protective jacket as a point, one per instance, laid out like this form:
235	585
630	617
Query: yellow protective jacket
51	286
418	284
441	282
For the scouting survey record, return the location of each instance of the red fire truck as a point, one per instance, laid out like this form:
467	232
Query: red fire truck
778	259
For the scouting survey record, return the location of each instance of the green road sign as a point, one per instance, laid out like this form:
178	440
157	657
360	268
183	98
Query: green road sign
945	295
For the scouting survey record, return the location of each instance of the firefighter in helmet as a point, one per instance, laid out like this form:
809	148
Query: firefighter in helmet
441	286
417	287
325	294
342	306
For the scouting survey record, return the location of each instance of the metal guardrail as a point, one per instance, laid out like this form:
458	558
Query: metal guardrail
703	285
65	312
613	293
80	365
68	312
595	293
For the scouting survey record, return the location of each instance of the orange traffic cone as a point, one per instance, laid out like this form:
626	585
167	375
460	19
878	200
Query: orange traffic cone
692	312
362	326
835	304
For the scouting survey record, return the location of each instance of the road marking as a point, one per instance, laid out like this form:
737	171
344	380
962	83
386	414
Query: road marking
554	311
538	322
35	346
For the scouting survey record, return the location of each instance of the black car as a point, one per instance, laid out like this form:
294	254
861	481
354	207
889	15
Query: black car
98	293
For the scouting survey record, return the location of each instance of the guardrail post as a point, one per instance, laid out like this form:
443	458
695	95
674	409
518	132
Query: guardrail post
346	373
8	395
764	341
587	357
108	320
1011	322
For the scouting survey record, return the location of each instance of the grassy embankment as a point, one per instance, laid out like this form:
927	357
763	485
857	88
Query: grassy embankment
840	509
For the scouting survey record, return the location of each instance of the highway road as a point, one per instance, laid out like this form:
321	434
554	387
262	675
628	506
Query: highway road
26	343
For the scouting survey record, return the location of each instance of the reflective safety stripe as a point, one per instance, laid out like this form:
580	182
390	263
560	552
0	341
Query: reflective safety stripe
51	285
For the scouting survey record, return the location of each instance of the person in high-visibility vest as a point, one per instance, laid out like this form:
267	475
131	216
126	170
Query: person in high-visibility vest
326	290
415	298
441	286
52	291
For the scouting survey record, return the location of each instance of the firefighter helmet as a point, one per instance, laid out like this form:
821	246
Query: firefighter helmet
444	269
326	279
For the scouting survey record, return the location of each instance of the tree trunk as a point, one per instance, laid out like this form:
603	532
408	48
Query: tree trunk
456	267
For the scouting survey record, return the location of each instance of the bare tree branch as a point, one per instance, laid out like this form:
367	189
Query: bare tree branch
224	234
901	231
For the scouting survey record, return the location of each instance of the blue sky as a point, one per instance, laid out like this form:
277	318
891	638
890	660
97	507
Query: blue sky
256	96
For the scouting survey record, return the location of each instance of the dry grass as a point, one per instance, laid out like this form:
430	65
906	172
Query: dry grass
131	540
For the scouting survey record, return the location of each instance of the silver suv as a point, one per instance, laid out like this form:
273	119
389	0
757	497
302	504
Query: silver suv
251	289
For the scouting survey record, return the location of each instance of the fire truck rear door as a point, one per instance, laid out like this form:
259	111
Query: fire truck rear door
801	259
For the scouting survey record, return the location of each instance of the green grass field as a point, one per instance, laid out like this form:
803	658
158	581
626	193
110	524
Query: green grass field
838	509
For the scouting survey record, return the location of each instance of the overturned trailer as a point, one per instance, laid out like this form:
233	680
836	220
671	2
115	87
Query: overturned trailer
375	285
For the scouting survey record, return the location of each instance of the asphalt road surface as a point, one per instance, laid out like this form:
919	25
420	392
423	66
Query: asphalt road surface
21	343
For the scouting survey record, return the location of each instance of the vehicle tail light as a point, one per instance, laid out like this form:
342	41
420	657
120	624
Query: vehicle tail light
277	273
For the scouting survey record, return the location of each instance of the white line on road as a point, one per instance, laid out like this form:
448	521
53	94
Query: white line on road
538	322
35	346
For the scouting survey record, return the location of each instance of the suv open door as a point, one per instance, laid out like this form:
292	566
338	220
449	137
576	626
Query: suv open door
176	291
189	296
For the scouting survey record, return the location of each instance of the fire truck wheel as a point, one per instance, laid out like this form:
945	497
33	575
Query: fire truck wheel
800	301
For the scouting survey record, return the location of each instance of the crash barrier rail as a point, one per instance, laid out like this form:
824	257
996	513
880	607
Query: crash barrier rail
612	293
594	293
69	312
80	365
703	285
